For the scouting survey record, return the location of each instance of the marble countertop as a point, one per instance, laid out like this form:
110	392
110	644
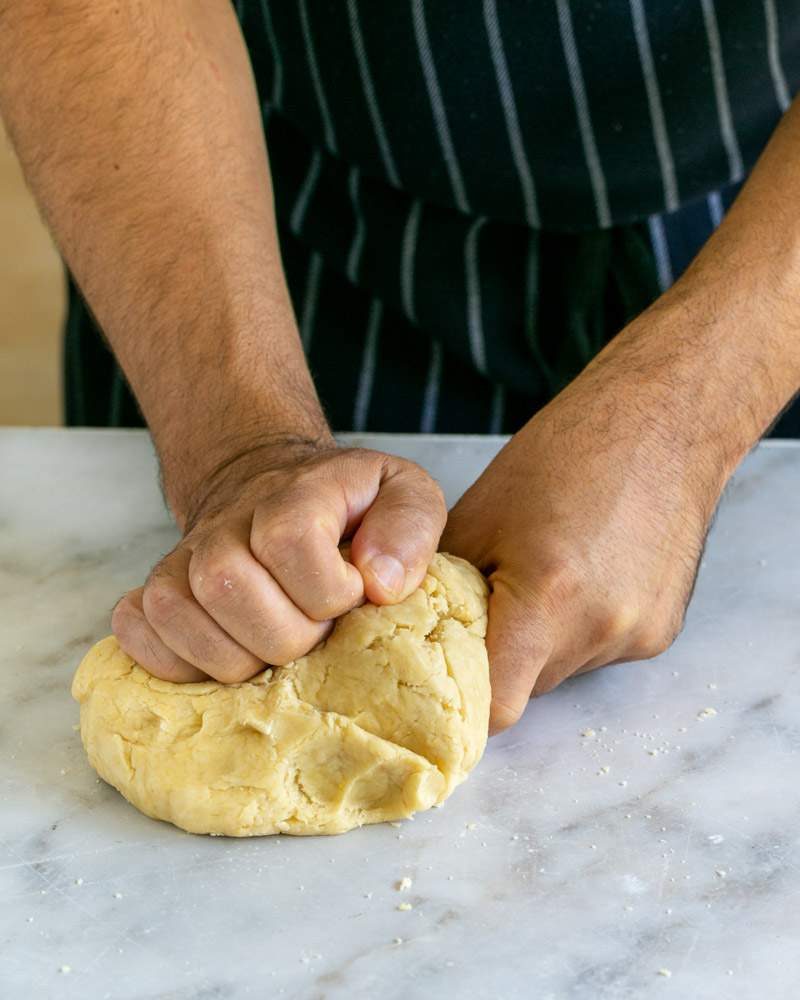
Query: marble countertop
675	873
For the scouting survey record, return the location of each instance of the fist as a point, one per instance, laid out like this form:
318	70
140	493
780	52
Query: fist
259	576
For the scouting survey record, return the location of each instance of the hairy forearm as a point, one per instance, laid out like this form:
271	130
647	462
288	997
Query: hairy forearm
139	131
720	352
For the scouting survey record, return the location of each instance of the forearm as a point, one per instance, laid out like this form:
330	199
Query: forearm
139	131
720	352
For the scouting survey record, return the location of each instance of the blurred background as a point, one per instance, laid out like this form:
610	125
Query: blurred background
31	305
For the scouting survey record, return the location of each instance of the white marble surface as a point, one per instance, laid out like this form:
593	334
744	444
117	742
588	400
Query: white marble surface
541	877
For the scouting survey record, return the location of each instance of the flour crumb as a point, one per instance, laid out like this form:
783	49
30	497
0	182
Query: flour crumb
587	734
712	687
117	895
721	873
397	941
716	838
472	826
65	970
404	884
706	713
622	784
666	973
397	826
604	770
405	906
78	881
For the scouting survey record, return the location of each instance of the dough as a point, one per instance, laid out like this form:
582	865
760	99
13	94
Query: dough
382	719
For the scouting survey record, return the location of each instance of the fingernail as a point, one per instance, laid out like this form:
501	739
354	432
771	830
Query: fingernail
389	572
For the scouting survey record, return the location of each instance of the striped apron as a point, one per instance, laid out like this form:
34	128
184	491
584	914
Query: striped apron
474	196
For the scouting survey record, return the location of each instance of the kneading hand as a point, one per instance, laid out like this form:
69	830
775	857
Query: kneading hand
590	524
259	577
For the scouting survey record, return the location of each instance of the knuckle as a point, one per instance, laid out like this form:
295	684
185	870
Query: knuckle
276	540
615	623
558	578
161	601
124	618
652	641
213	578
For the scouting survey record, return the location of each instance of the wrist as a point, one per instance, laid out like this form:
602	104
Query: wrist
196	477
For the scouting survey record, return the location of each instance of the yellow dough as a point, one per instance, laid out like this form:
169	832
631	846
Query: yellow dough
382	719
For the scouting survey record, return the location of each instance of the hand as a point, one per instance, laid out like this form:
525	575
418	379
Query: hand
259	577
590	524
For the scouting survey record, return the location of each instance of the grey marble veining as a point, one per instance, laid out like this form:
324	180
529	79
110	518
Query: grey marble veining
544	876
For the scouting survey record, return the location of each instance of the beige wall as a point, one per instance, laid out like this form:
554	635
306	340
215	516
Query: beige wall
31	305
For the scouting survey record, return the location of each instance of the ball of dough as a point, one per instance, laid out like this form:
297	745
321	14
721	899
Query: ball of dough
382	719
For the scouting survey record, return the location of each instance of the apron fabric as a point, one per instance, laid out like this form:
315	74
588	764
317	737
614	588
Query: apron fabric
452	262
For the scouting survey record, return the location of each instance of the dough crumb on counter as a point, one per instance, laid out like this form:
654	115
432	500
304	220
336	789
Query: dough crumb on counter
403	884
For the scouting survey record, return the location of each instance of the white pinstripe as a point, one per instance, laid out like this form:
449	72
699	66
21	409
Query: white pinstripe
408	258
316	79
660	135
305	193
369	358
437	105
430	402
498	409
474	304
658	240
716	210
369	94
590	152
724	113
510	113
277	62
310	298
774	56
360	232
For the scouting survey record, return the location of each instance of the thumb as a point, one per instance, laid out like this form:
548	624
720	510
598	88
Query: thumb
519	644
398	535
